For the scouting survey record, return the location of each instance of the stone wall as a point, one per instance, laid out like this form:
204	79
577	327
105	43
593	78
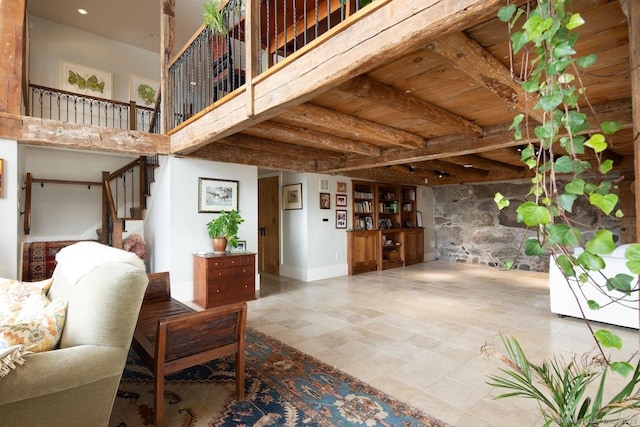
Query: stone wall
470	229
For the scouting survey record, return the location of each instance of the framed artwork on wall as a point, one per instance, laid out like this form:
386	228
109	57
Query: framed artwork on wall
85	80
292	196
342	187
215	195
325	201
341	200
143	91
341	218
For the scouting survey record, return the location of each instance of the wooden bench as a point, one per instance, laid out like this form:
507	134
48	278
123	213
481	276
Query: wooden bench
171	336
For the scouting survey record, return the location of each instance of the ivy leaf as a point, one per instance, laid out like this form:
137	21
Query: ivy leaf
602	243
606	166
575	186
564	164
575	122
562	234
575	21
508	265
518	39
532	214
621	368
619	214
565	265
531	85
633	258
500	201
593	305
605	203
535	26
590	261
533	248
515	126
610	127
597	143
506	12
620	282
551	101
566	201
586	61
608	339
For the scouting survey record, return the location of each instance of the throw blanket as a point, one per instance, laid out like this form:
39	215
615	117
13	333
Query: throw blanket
82	257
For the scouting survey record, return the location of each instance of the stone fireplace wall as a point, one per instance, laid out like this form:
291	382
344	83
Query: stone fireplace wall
470	229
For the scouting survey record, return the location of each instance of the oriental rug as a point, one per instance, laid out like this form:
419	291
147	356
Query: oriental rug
284	387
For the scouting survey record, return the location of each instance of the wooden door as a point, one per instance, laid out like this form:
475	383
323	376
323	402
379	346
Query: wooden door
268	226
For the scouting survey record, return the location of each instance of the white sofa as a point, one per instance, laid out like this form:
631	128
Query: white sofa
76	384
623	313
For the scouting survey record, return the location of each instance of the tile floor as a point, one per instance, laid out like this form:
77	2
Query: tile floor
415	333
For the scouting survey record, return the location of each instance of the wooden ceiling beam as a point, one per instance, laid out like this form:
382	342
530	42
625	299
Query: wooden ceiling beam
283	133
365	87
479	162
230	154
496	137
279	148
479	64
450	168
309	114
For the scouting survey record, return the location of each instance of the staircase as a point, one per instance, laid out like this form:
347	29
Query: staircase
124	197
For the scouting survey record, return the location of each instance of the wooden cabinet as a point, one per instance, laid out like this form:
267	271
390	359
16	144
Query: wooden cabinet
385	233
413	246
362	251
223	279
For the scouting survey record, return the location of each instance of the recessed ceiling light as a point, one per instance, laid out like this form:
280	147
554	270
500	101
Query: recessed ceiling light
468	165
82	12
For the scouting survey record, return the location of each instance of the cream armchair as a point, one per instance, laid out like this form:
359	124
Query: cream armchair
75	384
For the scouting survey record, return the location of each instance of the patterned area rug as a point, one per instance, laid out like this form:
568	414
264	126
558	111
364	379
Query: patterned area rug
284	387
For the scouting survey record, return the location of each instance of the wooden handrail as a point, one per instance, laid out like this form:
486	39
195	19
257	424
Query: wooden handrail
126	167
64	181
27	205
78	95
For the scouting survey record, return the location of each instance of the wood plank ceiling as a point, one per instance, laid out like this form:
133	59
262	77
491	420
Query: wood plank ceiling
440	114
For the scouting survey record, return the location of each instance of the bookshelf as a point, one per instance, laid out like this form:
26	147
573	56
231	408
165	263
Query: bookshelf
384	231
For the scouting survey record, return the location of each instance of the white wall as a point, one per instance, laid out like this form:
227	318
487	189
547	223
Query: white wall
425	204
9	209
63	211
176	230
51	43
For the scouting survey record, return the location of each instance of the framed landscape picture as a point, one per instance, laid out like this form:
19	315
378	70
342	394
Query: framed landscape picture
216	195
143	91
85	80
292	196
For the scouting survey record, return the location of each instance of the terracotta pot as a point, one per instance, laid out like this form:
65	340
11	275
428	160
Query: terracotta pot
219	245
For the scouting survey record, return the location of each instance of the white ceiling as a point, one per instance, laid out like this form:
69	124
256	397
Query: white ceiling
135	22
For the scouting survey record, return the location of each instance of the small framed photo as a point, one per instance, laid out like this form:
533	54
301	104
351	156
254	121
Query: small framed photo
341	218
325	201
341	200
341	187
242	246
216	195
292	196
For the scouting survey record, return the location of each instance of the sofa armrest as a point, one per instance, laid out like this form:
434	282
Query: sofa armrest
57	370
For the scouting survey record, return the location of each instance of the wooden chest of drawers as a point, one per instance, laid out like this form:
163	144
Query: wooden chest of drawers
223	279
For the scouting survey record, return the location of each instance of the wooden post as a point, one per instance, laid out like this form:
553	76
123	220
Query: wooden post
12	21
252	51
132	115
167	46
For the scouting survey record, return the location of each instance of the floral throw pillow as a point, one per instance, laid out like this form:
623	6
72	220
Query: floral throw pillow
28	318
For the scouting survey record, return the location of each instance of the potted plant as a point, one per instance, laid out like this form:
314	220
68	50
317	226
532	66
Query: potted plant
223	230
569	391
215	15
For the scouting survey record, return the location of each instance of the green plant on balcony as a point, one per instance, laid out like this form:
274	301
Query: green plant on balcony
216	14
565	145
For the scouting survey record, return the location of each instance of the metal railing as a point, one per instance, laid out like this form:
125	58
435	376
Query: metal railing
49	103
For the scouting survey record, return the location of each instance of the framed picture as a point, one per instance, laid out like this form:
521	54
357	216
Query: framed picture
242	246
325	201
215	195
292	196
341	218
368	221
143	91
84	80
341	200
342	187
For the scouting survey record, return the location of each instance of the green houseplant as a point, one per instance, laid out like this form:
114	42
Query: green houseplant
223	230
566	155
216	12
